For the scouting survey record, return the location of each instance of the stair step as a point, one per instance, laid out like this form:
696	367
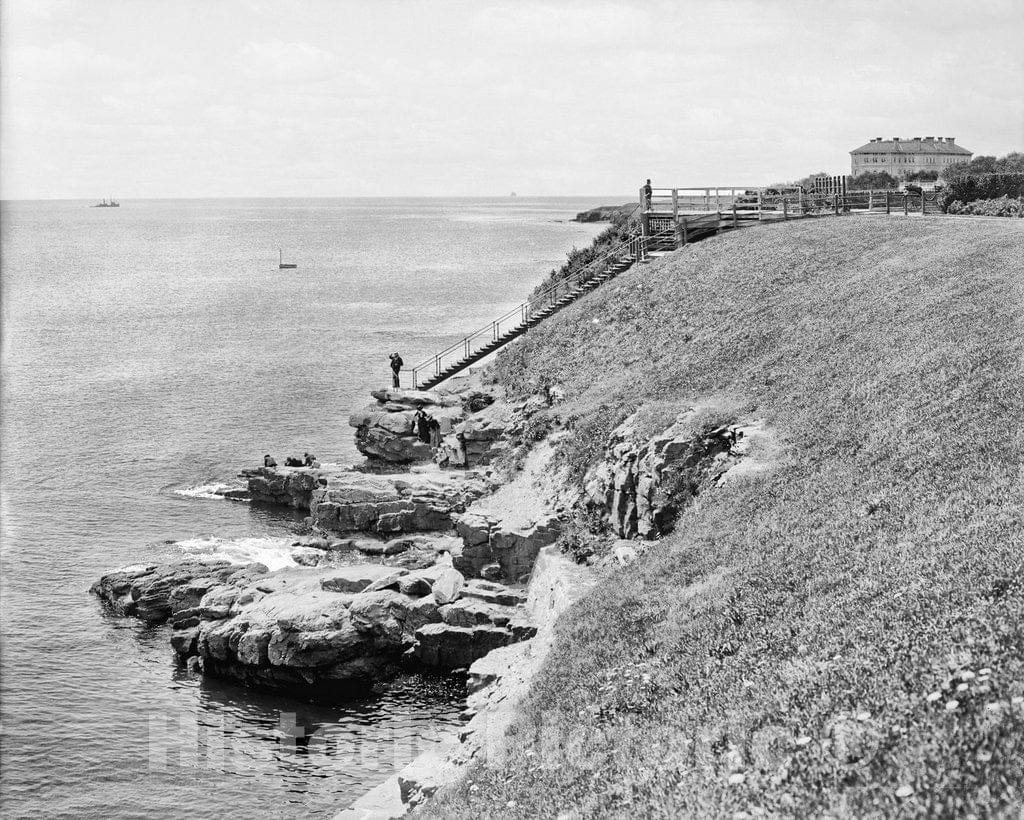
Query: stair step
534	318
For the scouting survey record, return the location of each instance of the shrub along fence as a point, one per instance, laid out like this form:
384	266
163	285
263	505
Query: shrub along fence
972	187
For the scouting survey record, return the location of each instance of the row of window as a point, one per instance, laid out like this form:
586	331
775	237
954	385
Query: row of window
881	159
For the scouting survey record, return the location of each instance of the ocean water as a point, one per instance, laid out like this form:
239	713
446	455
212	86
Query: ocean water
149	353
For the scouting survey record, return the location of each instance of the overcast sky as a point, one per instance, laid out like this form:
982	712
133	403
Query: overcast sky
150	98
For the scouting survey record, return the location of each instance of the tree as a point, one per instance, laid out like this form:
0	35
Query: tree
1012	163
873	181
807	183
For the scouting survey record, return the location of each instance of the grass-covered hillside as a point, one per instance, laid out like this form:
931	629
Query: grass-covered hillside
843	634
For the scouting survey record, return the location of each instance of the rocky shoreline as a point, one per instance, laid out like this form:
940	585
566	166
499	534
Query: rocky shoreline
427	558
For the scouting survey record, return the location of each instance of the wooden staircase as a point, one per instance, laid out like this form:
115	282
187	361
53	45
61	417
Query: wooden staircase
530	317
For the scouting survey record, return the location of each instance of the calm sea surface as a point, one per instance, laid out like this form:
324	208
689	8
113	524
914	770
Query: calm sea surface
154	349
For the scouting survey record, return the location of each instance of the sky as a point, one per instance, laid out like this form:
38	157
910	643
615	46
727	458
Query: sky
248	98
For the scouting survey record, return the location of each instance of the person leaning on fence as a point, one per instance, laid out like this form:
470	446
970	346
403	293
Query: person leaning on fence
396	367
648	193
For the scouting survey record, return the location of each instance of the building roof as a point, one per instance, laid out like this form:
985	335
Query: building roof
917	145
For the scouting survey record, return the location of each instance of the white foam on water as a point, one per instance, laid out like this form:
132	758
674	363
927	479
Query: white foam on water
274	553
212	491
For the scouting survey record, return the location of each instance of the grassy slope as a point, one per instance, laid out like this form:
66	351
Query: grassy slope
793	626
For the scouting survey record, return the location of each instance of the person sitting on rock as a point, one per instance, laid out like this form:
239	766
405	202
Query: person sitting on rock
421	425
268	461
307	459
291	461
396	367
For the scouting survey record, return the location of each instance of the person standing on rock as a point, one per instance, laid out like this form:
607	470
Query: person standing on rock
434	433
396	367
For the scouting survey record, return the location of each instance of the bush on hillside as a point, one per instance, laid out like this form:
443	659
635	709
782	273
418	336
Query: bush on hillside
972	187
1003	206
623	223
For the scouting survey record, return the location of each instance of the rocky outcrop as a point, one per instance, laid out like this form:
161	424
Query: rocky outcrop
605	213
478	440
385	430
641	484
153	593
288	486
353	501
510	545
343	500
338	628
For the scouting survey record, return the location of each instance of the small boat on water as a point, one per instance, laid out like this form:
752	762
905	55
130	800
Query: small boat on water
107	203
281	264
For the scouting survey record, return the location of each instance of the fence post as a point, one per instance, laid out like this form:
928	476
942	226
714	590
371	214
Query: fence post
735	218
415	380
871	201
675	203
759	217
922	203
888	209
686	233
800	200
785	209
835	201
906	205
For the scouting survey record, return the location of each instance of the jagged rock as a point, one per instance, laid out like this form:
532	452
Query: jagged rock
492	593
353	501
642	483
289	486
385	430
450	647
309	557
422	611
344	627
388	581
415	398
392	547
354	578
471	612
145	592
513	547
447	586
414	586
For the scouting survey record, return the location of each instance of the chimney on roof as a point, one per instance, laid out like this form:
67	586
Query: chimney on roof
916	139
895	139
878	139
950	139
929	139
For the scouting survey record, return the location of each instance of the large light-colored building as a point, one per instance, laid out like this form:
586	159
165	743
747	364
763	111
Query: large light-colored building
900	157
